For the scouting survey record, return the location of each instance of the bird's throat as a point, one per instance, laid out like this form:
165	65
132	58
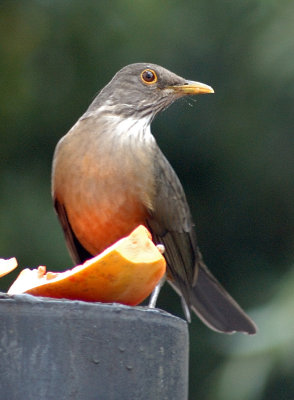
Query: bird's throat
129	128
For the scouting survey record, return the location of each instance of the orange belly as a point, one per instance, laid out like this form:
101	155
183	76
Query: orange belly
102	223
106	189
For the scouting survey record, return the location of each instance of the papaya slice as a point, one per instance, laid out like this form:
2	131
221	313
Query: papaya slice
7	266
126	273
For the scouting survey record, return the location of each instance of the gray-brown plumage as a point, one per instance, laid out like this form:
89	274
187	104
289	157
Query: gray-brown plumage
109	176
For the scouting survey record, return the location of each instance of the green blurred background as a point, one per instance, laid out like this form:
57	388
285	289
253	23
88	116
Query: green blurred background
234	153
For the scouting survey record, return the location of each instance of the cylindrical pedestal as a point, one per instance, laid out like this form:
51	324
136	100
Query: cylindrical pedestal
72	350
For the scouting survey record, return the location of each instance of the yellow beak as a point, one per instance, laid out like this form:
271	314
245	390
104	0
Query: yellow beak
191	88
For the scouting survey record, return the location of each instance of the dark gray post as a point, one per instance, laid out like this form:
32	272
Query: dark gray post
60	349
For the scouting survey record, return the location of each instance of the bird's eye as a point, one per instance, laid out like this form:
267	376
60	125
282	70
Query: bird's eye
148	76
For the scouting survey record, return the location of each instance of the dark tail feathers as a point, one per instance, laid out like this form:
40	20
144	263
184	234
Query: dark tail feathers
216	308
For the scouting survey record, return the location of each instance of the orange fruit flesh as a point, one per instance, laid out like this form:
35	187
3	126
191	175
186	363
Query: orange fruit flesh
126	273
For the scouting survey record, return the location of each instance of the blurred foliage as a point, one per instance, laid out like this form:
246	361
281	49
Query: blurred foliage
233	152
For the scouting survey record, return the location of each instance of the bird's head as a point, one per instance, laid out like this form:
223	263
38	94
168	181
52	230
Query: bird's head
142	90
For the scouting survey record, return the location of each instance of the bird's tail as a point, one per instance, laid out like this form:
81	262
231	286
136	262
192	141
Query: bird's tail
215	307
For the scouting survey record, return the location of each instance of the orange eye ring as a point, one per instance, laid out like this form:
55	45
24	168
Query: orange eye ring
148	76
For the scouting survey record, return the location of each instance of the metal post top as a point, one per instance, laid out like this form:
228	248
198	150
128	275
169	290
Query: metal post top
72	307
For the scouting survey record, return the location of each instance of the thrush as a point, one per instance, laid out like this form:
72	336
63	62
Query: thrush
109	176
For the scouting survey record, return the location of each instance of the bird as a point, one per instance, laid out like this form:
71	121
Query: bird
109	176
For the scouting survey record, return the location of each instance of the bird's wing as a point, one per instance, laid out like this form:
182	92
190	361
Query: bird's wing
78	253
171	224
